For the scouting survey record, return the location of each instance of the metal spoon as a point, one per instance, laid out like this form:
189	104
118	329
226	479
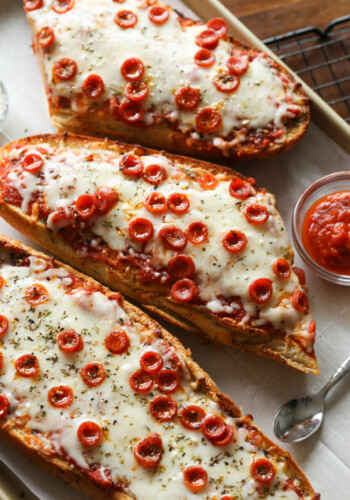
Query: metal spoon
300	418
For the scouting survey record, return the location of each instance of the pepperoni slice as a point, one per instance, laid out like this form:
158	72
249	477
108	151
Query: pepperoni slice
89	433
213	427
65	69
181	266
46	37
163	408
191	416
178	203
27	365
260	290
4	325
156	203
140	230
30	5
132	69
151	362
256	213
219	25
32	163
136	91
130	111
131	165
105	199
197	233
262	470
281	269
187	98
300	273
208	120
172	238
69	341
36	295
62	6
154	174
208	39
149	450
234	241
141	381
93	374
125	19
4	405
158	14
240	189
93	86
237	65
226	83
225	439
85	205
207	181
1	282
60	396
167	380
117	342
195	477
184	290
204	58
300	302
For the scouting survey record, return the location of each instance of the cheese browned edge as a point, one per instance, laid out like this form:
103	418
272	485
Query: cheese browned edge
191	317
20	439
161	135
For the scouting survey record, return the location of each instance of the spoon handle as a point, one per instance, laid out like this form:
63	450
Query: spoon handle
342	371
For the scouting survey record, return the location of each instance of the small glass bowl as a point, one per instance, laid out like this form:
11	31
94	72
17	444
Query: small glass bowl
332	183
3	109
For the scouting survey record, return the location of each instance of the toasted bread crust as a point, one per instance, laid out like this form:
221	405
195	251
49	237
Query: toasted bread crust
21	440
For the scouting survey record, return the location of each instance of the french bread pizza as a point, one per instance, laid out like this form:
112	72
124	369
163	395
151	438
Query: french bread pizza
195	243
137	70
95	391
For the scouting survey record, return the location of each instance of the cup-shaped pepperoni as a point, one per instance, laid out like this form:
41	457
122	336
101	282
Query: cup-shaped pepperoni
300	302
191	416
4	325
158	14
131	165
237	65
36	295
208	120
60	396
213	427
195	477
85	205
260	290
167	380
65	69
197	233
262	470
281	269
163	408
184	290
156	203
140	230
207	181
132	69
151	362
187	98
300	273
93	374
208	39
125	19
240	189
178	203
89	433
32	163
136	91
181	266
226	82
62	6
225	439
4	405
93	86
46	37
69	341
149	450
234	241
130	111
256	213
117	342
141	381
154	174
172	238
219	25
105	199
30	5
27	365
204	58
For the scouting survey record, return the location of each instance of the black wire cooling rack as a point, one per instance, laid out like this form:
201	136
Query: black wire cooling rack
322	59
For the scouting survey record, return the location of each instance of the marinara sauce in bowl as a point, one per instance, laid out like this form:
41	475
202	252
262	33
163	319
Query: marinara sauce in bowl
321	227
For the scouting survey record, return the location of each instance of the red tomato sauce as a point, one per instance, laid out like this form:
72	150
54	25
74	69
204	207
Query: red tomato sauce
326	232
